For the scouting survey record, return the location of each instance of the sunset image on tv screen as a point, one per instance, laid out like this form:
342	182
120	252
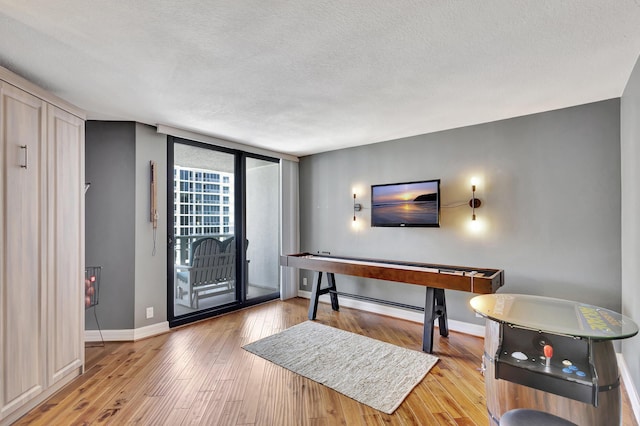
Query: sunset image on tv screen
405	204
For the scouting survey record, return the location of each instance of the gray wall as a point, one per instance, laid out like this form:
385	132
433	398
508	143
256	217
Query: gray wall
630	150
151	269
550	187
119	235
110	224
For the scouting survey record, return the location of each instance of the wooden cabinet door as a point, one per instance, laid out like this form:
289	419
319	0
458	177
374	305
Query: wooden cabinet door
22	282
65	143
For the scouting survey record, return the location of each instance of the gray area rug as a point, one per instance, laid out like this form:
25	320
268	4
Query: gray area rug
375	373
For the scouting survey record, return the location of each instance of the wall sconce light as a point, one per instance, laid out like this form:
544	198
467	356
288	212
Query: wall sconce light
356	207
474	203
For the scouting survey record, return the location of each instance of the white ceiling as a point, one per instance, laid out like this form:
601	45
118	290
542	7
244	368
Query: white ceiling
308	76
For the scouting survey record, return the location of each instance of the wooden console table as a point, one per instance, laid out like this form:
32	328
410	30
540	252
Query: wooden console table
436	278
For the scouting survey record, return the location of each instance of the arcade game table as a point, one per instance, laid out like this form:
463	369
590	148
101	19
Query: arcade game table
552	355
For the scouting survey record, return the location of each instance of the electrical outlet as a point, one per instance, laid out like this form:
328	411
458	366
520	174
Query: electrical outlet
150	312
304	281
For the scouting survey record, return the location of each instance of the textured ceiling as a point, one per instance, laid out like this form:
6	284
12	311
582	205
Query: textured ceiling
303	77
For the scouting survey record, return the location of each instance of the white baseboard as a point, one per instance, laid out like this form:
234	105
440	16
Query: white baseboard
415	316
126	335
629	386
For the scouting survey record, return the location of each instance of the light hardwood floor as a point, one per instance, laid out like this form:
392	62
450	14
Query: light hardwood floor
198	374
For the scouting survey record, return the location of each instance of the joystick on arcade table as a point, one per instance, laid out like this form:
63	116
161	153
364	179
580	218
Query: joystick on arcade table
548	353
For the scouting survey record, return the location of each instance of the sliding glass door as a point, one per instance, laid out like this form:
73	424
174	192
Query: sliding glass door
223	244
262	213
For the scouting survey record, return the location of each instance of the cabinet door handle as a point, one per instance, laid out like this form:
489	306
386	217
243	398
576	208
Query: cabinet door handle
26	156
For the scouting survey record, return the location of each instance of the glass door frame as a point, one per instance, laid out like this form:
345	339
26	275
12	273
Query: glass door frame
239	232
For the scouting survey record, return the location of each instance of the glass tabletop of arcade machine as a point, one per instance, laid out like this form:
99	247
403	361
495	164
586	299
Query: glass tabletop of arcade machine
555	316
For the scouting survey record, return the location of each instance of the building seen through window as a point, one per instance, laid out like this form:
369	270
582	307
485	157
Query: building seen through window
200	210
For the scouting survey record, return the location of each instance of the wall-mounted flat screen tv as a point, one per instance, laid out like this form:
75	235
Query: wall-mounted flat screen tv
406	204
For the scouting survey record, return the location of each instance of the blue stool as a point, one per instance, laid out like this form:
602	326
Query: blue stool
525	417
